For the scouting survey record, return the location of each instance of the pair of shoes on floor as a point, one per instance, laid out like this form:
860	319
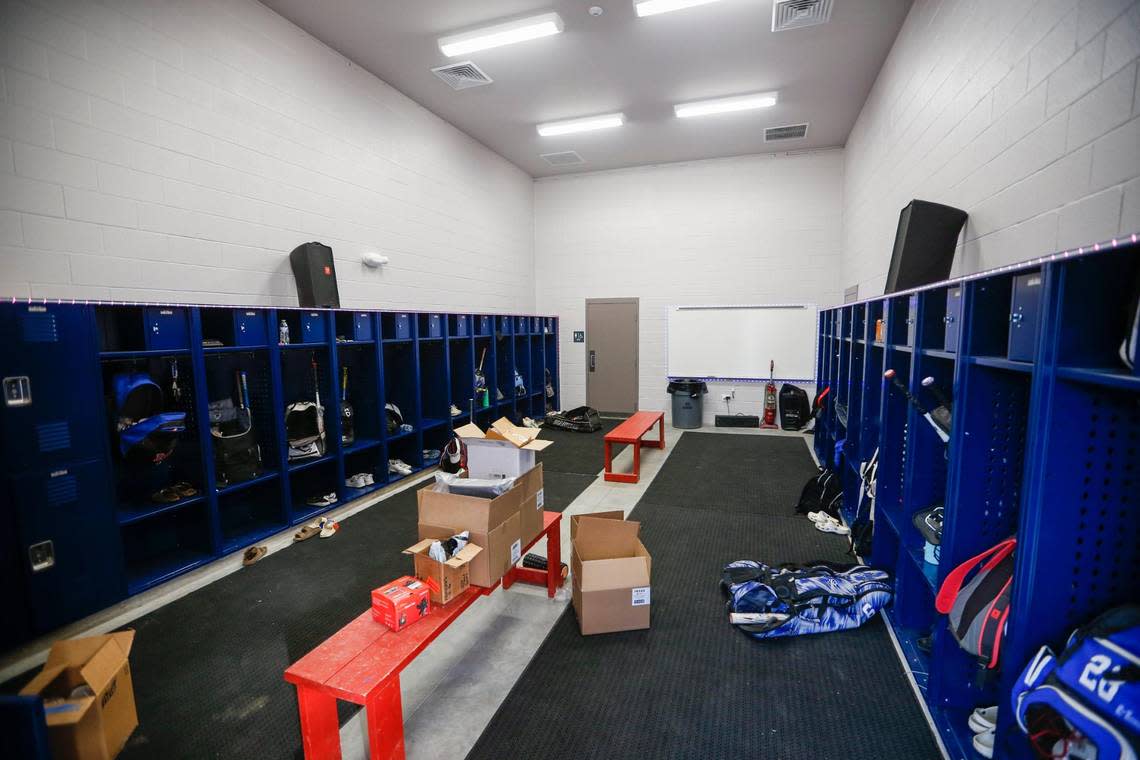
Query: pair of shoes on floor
431	456
399	467
456	411
323	500
360	480
983	722
253	554
825	523
328	527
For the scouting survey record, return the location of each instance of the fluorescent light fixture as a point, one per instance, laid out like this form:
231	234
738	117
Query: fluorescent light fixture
653	7
588	124
520	30
725	105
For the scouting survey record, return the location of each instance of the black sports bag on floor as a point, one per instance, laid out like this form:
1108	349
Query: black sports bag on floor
823	492
795	410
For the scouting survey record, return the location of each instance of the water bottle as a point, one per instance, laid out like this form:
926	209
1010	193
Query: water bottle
283	333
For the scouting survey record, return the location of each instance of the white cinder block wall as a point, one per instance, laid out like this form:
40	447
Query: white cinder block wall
1025	113
755	229
179	149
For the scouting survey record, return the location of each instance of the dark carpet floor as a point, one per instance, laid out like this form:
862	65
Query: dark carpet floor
579	453
208	668
692	687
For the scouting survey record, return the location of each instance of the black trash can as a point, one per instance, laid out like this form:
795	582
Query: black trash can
688	402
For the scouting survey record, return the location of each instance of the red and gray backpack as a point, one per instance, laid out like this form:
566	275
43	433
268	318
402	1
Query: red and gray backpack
978	610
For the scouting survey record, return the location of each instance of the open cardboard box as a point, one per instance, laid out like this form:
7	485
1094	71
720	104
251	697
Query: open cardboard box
504	451
451	577
494	525
611	568
87	727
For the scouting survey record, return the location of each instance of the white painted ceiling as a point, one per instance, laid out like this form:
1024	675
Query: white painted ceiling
619	62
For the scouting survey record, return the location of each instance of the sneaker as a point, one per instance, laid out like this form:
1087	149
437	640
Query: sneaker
529	423
818	517
406	428
456	411
431	455
360	480
498	395
328	528
324	500
399	467
833	526
984	743
983	719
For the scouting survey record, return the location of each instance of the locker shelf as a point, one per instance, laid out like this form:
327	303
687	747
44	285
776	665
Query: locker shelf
144	354
158	570
132	513
356	342
402	434
361	444
305	464
1109	378
998	362
939	354
232	349
295	346
246	483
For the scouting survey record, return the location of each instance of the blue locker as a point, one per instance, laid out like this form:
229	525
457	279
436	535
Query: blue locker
461	326
166	328
433	326
953	318
312	327
249	327
69	542
521	325
361	326
1025	306
486	325
504	325
403	323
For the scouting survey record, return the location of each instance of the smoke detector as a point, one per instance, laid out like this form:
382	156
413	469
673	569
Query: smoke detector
462	76
564	158
788	132
796	14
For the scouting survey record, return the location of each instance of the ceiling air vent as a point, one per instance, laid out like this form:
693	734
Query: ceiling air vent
463	75
795	14
565	158
789	132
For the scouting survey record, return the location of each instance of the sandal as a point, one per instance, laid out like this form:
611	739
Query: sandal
167	495
253	554
185	489
306	532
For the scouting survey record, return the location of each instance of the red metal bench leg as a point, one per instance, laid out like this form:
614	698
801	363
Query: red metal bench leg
320	730
661	432
385	722
609	464
553	558
636	461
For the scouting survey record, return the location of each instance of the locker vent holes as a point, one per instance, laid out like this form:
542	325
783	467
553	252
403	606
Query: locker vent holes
53	436
39	327
61	489
1106	540
1004	458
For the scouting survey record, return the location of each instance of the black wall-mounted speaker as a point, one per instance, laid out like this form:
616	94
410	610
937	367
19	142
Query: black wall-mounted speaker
924	245
316	275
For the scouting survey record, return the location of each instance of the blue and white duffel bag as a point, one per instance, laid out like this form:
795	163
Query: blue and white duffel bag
1089	694
792	600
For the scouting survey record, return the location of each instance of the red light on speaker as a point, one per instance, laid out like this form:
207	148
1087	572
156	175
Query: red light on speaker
328	271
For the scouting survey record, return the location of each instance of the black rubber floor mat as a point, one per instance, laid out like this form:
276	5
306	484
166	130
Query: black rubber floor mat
581	453
692	686
561	488
208	668
755	474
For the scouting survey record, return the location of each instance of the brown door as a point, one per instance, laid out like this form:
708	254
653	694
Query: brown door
611	354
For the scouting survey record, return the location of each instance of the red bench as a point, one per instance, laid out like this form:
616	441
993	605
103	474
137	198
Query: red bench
630	432
361	663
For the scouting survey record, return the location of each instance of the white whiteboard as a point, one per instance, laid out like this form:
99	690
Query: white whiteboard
737	342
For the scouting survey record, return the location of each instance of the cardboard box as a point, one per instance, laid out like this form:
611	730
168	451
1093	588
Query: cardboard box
504	451
400	603
611	590
88	727
452	577
533	499
494	525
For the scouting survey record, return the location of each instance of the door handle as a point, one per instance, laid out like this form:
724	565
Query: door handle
593	360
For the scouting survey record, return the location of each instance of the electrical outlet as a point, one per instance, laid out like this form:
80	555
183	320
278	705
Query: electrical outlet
727	397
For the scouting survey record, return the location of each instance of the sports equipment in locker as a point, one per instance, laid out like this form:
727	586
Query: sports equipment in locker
943	433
